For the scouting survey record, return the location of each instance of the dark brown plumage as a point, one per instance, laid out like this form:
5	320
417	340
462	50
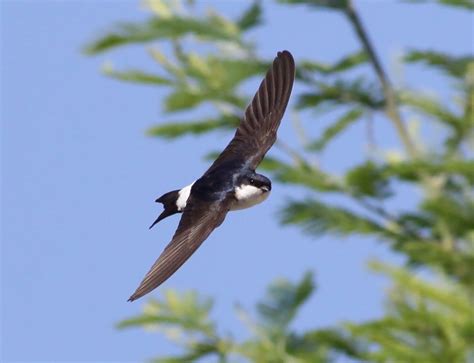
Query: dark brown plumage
198	221
257	131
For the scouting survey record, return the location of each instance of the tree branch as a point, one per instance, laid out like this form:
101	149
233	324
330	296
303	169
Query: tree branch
391	105
391	108
381	212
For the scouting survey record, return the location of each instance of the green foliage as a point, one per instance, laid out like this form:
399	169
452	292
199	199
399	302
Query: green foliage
185	319
428	322
184	99
283	301
212	27
467	4
309	177
251	17
367	180
176	129
433	109
344	64
318	218
328	342
453	263
336	128
459	212
187	311
357	92
136	76
454	66
462	171
460	126
427	319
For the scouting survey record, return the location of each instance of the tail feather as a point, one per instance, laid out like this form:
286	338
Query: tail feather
169	198
163	215
169	203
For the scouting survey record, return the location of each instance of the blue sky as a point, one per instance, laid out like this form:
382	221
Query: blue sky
79	178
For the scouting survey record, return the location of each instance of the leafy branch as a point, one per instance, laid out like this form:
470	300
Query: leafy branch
426	321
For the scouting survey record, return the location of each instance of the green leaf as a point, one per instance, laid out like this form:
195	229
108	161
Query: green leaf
348	62
458	214
336	128
283	300
196	351
136	76
368	180
451	65
417	221
454	297
410	170
210	78
456	264
324	340
342	92
432	108
210	28
460	125
185	99
427	322
187	311
310	177
317	218
233	72
176	129
251	17
223	74
467	4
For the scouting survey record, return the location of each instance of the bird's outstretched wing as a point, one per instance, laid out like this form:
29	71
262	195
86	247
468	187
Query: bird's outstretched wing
199	219
258	129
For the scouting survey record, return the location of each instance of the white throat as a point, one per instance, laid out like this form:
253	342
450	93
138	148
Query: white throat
247	196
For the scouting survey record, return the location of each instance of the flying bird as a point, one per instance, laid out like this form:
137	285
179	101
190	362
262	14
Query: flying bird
231	182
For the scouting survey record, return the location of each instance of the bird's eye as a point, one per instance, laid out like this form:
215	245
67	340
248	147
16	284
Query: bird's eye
252	181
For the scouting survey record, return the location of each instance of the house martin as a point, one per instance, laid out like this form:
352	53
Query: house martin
231	182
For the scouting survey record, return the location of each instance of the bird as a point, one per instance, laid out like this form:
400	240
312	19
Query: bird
231	182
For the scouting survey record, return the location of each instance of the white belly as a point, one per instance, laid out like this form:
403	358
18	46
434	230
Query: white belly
248	196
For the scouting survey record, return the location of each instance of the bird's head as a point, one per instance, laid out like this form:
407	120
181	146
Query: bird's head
255	183
259	181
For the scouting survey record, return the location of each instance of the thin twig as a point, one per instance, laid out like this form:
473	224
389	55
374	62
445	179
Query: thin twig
391	107
303	138
287	149
381	212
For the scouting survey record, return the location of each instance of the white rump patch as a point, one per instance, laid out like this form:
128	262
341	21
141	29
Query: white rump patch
183	196
247	196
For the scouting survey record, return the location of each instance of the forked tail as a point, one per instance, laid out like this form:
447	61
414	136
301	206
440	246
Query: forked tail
169	203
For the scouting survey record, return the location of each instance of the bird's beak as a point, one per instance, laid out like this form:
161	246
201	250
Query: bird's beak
266	188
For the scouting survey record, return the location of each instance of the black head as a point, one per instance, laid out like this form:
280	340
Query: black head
257	180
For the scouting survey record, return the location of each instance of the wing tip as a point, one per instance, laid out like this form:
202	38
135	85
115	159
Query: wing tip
132	298
285	54
284	62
